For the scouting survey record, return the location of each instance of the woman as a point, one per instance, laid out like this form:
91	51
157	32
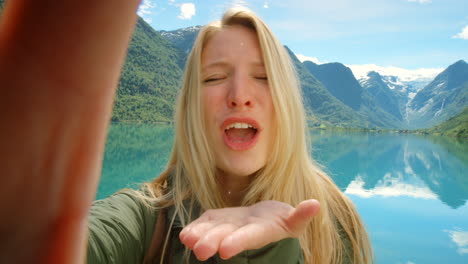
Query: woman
216	161
240	139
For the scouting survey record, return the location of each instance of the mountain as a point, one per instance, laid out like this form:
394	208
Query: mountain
340	81
150	78
444	97
388	93
406	90
182	38
456	126
320	103
403	82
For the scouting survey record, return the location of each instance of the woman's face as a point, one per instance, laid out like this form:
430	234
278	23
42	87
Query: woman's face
237	103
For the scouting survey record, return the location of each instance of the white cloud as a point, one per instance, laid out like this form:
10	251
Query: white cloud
265	5
187	11
421	1
303	58
145	9
461	239
360	71
463	34
389	187
173	3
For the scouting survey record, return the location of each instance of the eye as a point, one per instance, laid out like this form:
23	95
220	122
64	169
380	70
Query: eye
213	79
261	77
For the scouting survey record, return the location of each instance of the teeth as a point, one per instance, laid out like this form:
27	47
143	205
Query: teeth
239	125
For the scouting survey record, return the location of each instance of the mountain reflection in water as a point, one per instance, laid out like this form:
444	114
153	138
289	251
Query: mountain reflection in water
395	165
410	190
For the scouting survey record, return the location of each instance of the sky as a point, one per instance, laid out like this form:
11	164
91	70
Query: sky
399	36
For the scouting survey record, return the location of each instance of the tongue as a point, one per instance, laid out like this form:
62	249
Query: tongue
240	134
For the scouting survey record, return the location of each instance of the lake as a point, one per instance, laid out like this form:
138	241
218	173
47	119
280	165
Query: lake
410	190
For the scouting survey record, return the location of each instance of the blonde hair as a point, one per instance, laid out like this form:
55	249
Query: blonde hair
290	175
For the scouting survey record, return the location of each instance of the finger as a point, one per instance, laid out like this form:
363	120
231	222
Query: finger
251	236
187	229
301	216
209	244
190	235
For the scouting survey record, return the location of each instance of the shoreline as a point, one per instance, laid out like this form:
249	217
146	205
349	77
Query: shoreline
423	132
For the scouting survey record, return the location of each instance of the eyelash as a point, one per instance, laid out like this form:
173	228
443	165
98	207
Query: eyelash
264	78
212	79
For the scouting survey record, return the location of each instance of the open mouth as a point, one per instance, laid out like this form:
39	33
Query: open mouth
240	135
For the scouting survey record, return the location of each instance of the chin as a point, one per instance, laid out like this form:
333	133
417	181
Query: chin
241	170
240	164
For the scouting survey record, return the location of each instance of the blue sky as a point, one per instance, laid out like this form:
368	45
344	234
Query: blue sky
408	34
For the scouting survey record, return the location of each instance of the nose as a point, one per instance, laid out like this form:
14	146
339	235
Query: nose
240	92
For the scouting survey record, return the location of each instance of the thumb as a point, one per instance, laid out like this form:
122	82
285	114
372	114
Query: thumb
301	216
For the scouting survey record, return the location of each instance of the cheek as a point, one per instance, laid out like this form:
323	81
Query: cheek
212	103
269	106
270	115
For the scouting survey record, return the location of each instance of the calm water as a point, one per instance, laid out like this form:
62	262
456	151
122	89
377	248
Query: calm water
410	190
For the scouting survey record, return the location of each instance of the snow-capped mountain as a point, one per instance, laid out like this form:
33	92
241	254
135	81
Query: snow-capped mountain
340	81
388	91
182	38
444	97
407	88
422	102
404	75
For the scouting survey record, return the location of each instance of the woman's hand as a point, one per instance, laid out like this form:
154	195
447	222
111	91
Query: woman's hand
60	62
230	231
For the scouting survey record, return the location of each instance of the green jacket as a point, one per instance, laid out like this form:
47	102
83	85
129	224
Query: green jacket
121	229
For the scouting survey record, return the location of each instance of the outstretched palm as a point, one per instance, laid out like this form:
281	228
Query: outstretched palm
230	231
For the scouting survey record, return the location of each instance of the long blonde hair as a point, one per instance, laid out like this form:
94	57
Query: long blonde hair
289	176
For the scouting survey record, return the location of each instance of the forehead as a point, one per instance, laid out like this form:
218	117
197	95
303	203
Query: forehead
234	42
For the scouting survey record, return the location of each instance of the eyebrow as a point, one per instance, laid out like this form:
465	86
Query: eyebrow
224	64
218	63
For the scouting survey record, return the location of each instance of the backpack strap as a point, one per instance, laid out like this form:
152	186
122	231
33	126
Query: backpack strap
154	253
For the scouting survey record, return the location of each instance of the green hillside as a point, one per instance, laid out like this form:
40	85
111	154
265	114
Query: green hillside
341	83
456	126
321	106
150	78
339	80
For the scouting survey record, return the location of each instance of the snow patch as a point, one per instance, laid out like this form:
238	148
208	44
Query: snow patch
426	107
439	85
440	110
303	58
405	75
